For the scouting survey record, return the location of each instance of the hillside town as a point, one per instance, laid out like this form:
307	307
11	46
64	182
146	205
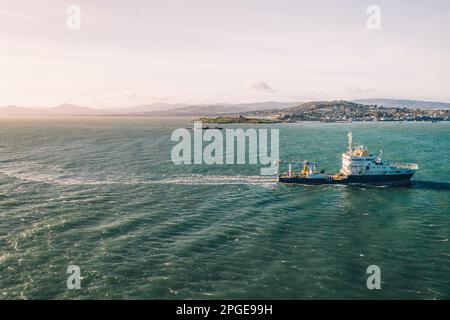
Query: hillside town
344	111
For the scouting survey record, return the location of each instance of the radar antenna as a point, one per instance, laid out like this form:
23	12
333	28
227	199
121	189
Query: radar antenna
350	142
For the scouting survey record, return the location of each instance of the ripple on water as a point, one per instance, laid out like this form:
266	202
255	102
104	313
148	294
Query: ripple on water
111	202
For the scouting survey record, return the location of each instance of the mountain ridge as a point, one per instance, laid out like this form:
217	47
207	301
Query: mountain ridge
184	109
401	103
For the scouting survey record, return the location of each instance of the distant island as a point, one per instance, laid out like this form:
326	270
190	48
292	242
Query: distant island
402	103
345	111
260	112
237	119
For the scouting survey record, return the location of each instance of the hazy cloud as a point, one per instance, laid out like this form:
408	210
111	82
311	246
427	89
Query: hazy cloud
226	54
259	85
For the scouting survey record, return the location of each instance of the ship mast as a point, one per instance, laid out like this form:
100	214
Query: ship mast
350	142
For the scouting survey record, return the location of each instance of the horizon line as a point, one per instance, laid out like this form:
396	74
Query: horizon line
188	104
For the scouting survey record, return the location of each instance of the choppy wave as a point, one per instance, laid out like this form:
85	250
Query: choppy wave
235	236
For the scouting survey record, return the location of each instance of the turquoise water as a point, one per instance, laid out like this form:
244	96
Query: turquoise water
102	193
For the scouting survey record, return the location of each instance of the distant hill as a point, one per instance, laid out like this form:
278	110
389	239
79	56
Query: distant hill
153	107
192	110
71	110
266	105
61	110
220	109
267	108
314	109
339	110
411	104
334	105
15	111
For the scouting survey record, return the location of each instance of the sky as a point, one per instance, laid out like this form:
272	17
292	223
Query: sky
209	51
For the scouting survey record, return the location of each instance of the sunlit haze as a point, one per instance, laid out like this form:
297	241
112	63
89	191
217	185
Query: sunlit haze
136	52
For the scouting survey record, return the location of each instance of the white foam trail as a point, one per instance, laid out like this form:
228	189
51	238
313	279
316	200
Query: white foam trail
65	178
217	180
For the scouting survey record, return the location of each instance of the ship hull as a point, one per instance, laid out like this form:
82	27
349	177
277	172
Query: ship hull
360	179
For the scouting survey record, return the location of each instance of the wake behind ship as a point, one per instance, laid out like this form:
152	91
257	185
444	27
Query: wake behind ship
358	166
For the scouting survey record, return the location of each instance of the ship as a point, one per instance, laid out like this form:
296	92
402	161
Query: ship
359	166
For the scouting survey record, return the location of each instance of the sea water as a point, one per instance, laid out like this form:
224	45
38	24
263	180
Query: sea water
103	194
